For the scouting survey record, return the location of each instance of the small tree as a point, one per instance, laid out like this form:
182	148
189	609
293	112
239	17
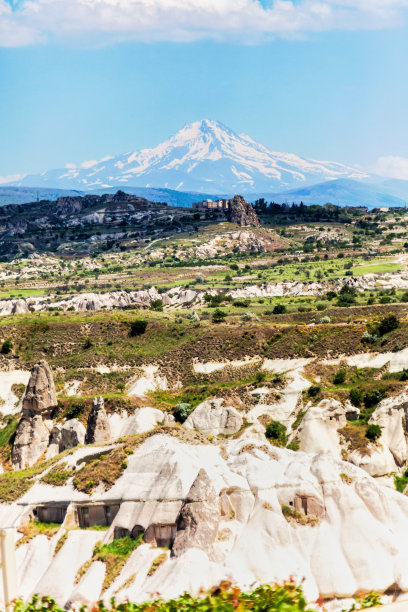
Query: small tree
340	377
138	327
276	432
260	376
356	396
6	347
181	411
388	324
373	432
157	305
313	390
218	315
279	309
347	295
372	398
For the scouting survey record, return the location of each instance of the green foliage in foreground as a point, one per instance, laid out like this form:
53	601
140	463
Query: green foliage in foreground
286	598
122	547
401	482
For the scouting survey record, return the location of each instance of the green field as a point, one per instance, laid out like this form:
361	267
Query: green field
377	268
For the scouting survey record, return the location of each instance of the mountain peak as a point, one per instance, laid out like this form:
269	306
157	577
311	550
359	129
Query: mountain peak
205	128
205	156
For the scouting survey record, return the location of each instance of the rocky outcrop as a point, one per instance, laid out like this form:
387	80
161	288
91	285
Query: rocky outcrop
318	431
72	434
199	517
98	428
212	417
391	452
241	212
187	298
40	396
30	443
54	442
33	430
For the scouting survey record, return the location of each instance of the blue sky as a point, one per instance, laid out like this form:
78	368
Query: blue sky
300	83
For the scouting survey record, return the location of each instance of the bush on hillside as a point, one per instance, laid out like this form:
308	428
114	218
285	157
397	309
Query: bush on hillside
373	432
279	309
340	377
138	327
276	432
75	410
325	320
218	315
6	347
356	396
157	305
347	296
181	411
314	390
372	398
388	324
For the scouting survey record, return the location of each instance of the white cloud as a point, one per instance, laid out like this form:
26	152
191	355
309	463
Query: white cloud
11	178
392	166
106	21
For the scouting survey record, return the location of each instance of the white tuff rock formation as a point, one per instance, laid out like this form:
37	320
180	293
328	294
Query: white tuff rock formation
33	431
212	417
222	513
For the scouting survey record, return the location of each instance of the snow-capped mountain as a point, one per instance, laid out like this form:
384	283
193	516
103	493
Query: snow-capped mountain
204	156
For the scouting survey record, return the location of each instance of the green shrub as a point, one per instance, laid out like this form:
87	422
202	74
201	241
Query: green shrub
388	324
372	398
214	300
276	432
401	482
279	309
218	315
356	396
157	305
75	410
225	598
347	296
314	390
260	376
242	303
325	320
6	347
373	432
340	377
369	338
181	411
138	327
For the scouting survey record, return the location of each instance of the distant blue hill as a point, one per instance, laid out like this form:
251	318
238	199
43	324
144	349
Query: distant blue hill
184	199
342	192
22	195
